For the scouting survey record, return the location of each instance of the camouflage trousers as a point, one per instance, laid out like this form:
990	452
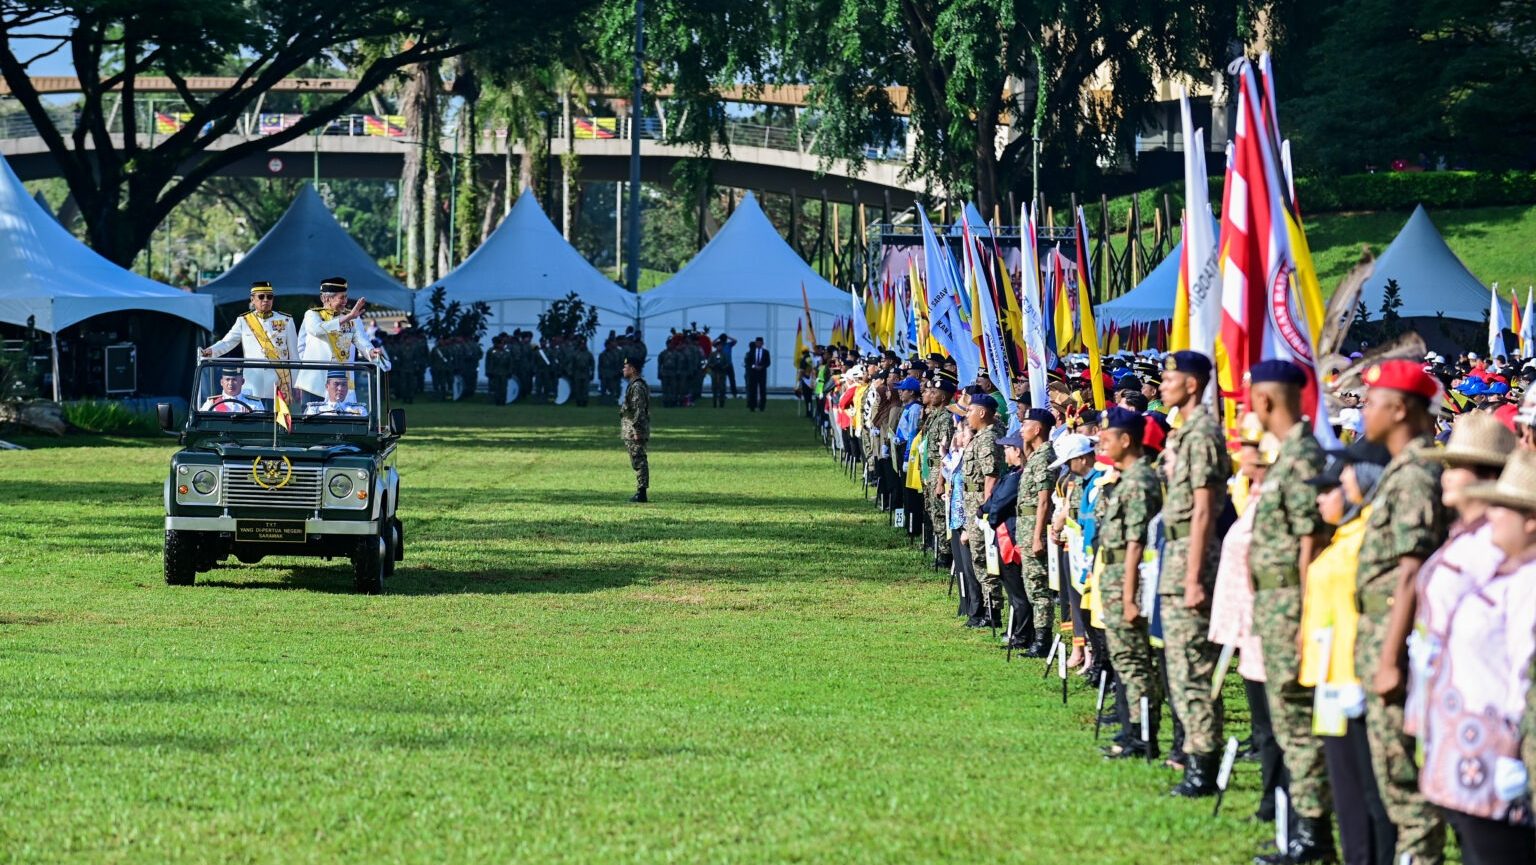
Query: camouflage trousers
1130	652
991	585
1277	620
936	512
1036	578
639	461
1189	652
1420	827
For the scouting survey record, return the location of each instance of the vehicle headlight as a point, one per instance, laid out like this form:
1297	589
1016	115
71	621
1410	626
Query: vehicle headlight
204	482
340	486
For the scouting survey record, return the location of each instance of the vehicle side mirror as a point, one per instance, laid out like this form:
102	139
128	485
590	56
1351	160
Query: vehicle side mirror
166	416
397	422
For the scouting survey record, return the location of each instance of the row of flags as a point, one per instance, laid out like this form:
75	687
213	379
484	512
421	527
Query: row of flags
1521	324
1245	295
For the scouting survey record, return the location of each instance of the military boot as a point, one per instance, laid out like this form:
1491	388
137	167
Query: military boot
1039	647
1199	776
639	495
1311	841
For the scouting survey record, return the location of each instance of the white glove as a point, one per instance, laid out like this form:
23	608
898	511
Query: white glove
1509	778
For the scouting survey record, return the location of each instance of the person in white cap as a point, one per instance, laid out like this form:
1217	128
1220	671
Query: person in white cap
1076	453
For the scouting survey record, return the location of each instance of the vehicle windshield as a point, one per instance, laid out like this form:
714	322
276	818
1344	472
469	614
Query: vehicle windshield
234	390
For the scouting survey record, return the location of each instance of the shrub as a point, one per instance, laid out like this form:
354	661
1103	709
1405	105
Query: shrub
109	418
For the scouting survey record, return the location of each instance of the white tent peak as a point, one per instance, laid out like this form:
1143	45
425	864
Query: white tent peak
305	246
526	258
746	262
58	281
1431	278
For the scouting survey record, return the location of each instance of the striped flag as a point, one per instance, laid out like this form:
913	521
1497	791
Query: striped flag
1036	350
281	416
1087	330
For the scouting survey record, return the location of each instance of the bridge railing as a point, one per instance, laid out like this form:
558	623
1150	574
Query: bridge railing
798	139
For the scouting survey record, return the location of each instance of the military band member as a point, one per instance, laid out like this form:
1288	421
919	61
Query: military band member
1196	467
635	425
338	398
332	333
232	396
262	334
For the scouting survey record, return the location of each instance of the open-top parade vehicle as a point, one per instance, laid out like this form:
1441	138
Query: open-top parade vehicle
245	484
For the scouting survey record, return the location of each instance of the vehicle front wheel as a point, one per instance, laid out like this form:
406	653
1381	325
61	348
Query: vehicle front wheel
370	564
180	558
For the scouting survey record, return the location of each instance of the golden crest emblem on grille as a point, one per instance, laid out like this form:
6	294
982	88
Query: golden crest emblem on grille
272	473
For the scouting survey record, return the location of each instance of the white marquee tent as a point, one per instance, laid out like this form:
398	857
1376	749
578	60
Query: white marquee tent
746	282
57	282
524	266
304	247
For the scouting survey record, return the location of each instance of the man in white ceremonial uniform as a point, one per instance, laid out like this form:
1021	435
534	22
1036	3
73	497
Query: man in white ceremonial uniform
338	398
262	334
232	396
333	333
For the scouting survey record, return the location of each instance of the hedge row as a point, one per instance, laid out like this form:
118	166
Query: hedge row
1388	190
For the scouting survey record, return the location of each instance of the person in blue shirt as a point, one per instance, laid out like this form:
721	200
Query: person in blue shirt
907	390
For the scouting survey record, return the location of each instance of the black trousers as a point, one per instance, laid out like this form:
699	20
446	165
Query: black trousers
1366	836
1271	765
730	376
970	590
757	389
1012	578
1488	842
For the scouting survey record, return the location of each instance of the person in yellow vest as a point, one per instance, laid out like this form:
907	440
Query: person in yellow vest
332	332
261	333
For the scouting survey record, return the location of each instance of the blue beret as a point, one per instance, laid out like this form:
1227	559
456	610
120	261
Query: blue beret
985	401
1011	440
1191	362
1280	371
1132	422
909	383
1040	415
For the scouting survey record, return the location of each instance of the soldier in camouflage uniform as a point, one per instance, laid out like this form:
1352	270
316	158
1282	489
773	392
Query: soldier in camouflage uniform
522	364
1035	487
1196	467
666	370
983	465
1126	508
938	430
1407	524
610	365
635	427
498	369
719	366
580	370
1288	532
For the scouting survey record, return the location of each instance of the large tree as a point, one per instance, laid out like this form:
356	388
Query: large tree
125	185
969	66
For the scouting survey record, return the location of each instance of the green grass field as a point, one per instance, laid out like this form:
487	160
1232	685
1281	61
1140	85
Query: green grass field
1494	243
753	668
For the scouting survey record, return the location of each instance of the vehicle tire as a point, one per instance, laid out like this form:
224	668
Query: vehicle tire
370	564
180	558
398	542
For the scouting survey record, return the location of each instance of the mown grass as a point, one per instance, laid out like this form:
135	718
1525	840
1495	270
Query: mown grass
1493	242
753	668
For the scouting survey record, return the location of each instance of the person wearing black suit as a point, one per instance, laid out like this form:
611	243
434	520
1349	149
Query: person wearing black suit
757	362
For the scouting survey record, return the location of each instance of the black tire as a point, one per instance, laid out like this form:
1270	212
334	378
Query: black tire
180	558
398	543
371	564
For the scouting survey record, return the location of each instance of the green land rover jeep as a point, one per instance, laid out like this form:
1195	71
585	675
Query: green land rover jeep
250	481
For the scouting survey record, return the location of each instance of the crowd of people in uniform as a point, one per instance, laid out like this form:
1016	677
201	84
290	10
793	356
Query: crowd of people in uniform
1379	597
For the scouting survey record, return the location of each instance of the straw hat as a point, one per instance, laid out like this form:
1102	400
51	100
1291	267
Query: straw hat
1477	439
1516	486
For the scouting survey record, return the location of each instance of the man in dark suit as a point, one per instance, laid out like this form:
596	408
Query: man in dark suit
756	362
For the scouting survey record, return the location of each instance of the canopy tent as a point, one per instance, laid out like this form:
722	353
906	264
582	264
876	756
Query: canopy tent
524	266
304	247
746	281
53	283
1151	300
1432	280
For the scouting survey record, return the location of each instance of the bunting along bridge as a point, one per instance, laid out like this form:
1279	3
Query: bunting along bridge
776	158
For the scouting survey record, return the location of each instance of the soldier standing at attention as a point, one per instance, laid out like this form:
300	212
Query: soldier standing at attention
938	430
1127	508
635	426
1407	524
1035	487
498	369
1196	466
579	365
1289	533
982	466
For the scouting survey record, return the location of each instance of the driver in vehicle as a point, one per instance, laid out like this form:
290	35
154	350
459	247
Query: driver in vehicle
338	399
232	396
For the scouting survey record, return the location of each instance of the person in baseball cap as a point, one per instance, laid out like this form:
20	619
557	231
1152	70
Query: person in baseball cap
1071	446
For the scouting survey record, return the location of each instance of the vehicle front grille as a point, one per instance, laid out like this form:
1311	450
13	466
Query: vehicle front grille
301	491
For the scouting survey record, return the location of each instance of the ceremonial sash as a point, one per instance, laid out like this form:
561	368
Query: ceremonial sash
259	330
332	336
